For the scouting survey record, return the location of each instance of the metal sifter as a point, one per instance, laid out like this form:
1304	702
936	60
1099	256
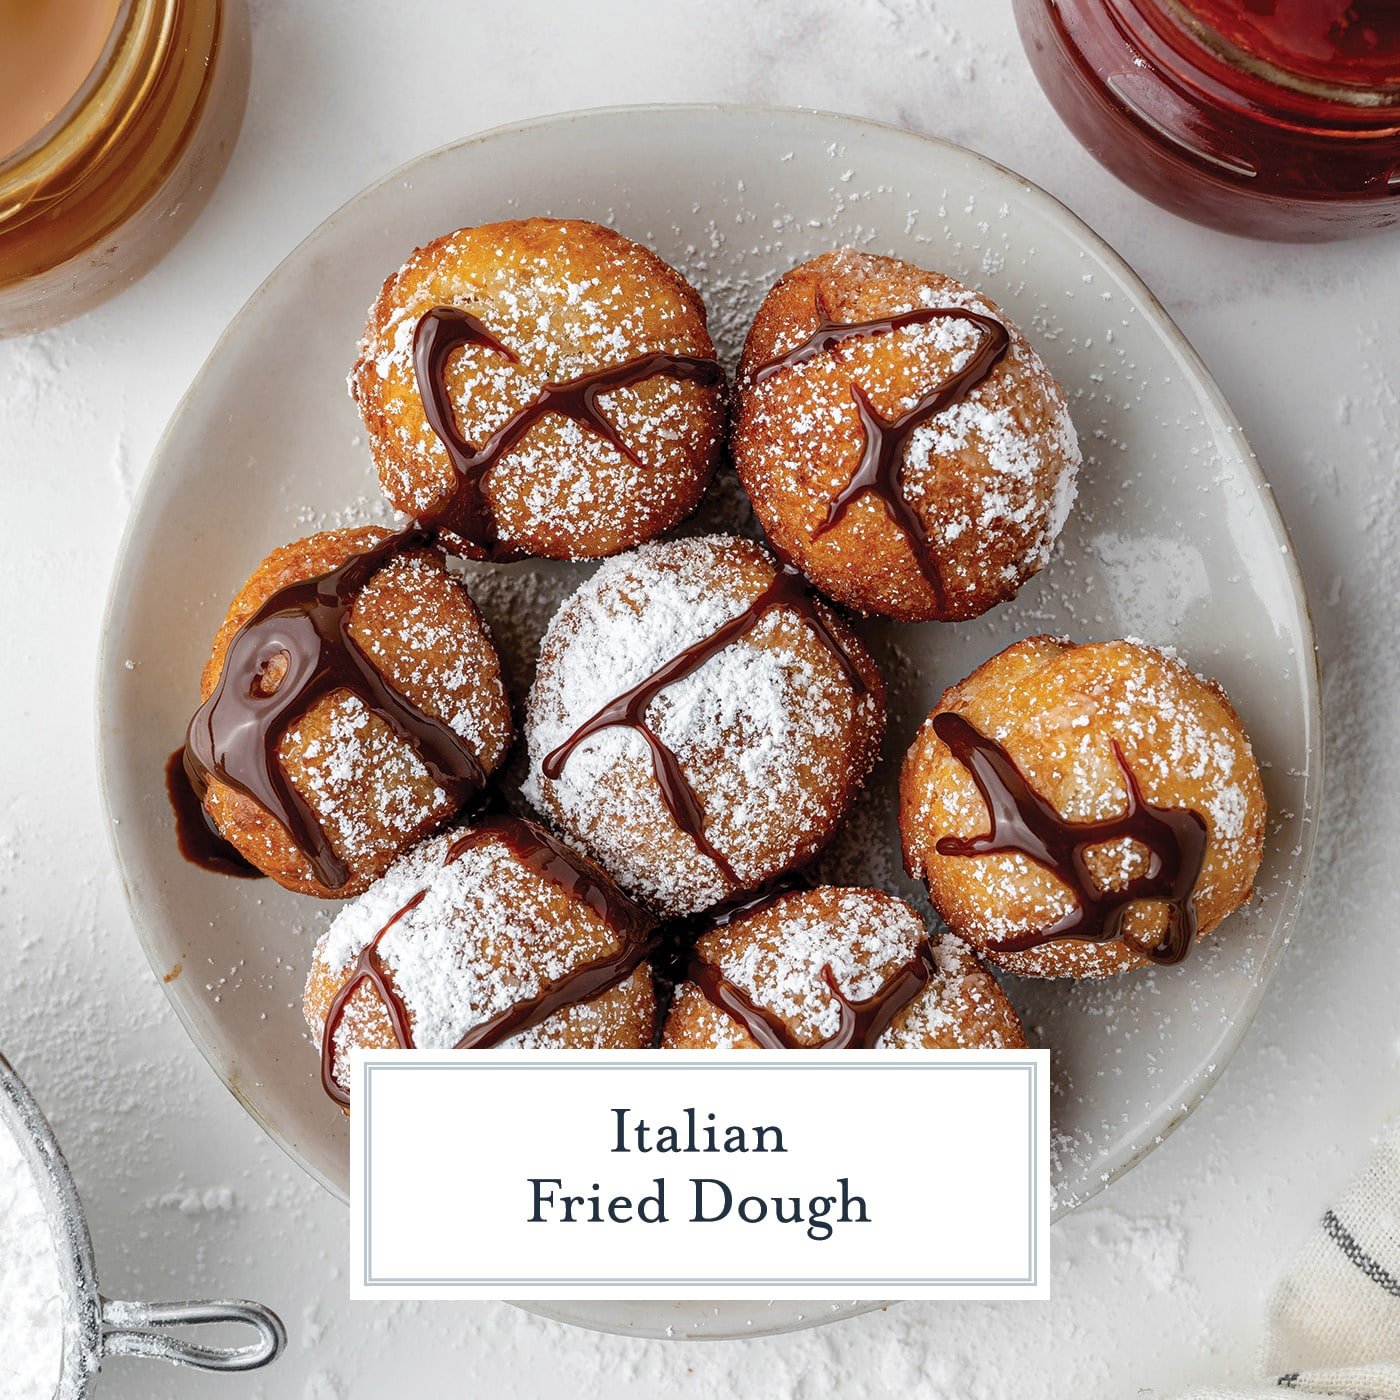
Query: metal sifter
95	1327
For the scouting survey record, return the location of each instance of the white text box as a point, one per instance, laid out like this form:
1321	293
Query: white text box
755	1174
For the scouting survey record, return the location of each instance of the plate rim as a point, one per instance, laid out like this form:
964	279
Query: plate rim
1171	1115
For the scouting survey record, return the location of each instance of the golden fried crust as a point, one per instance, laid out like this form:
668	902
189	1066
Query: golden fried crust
421	629
992	478
783	947
568	298
496	925
1058	710
773	793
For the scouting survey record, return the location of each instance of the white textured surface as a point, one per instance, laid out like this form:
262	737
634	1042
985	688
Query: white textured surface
1161	1284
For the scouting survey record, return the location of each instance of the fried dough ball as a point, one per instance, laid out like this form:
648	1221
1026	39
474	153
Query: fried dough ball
1058	710
566	298
475	925
772	735
367	790
775	955
989	478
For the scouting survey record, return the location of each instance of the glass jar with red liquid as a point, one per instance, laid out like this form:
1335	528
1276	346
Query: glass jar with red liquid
1271	118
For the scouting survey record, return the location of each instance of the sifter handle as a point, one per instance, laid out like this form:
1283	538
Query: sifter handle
138	1329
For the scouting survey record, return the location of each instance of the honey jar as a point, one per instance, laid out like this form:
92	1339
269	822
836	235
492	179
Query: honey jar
116	119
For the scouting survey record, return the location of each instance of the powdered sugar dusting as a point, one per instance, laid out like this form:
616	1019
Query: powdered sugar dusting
863	940
758	729
480	941
565	299
1024	484
359	758
366	784
31	1297
776	956
1170	729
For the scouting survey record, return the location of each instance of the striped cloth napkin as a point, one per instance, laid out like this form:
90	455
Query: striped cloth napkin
1334	1319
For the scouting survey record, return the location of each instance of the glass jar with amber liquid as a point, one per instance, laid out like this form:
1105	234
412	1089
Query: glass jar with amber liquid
116	119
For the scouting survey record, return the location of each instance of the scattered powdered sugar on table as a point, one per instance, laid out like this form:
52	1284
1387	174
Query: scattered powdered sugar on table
31	1297
1106	1266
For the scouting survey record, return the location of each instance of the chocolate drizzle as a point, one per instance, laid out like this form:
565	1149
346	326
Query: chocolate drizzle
197	836
862	1022
881	469
535	847
367	967
235	734
1022	822
467	514
628	710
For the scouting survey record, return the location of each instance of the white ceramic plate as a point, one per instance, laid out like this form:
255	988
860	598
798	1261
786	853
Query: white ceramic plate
1176	540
